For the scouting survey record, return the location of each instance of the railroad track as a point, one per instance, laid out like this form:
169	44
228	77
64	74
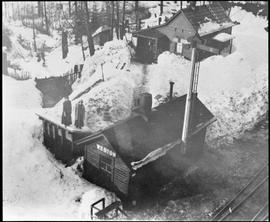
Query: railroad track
251	203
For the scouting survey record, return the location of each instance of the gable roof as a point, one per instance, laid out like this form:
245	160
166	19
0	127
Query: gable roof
197	17
214	12
134	137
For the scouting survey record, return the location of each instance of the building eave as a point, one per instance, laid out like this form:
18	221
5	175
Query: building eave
68	128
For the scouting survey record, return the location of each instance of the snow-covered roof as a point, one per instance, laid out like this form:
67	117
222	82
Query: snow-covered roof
101	29
163	126
211	26
223	37
205	19
52	119
150	33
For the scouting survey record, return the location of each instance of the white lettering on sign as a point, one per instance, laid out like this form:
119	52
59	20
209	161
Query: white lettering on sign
106	150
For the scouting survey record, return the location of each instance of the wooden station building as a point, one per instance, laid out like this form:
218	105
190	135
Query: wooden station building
60	139
142	141
206	22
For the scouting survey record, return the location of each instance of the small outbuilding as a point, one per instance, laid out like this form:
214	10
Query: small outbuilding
206	22
150	43
102	35
131	156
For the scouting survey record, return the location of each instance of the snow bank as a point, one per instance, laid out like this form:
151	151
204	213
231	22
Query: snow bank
234	88
25	57
115	94
35	185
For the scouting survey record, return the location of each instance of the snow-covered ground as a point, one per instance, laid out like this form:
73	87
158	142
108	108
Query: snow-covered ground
26	60
234	88
33	188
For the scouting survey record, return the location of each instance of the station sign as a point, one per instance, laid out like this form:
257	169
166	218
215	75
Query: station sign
106	150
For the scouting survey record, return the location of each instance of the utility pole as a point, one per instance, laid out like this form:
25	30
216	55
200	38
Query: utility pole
189	97
89	35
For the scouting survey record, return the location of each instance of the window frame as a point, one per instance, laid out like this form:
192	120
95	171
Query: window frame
104	166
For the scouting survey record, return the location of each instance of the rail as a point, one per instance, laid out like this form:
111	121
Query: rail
231	208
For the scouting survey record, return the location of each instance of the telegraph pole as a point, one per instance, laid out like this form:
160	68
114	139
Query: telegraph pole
189	97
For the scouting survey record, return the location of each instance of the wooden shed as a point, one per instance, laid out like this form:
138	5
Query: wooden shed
204	21
117	157
150	43
59	139
102	35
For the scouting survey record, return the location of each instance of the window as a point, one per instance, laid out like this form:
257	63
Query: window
59	131
105	164
45	127
53	131
68	136
48	129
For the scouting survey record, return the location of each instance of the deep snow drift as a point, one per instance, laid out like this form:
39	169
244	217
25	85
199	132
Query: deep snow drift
115	94
236	92
32	183
23	56
234	87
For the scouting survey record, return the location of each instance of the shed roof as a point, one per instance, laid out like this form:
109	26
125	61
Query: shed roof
150	33
134	137
202	14
101	29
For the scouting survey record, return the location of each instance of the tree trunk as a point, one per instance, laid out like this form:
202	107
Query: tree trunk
137	16
181	4
5	4
112	20
89	35
34	35
46	19
76	24
123	20
161	7
117	19
13	13
69	8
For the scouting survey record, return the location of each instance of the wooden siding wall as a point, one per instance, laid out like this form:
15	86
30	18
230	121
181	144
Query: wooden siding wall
92	154
196	144
179	27
121	175
55	140
120	172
